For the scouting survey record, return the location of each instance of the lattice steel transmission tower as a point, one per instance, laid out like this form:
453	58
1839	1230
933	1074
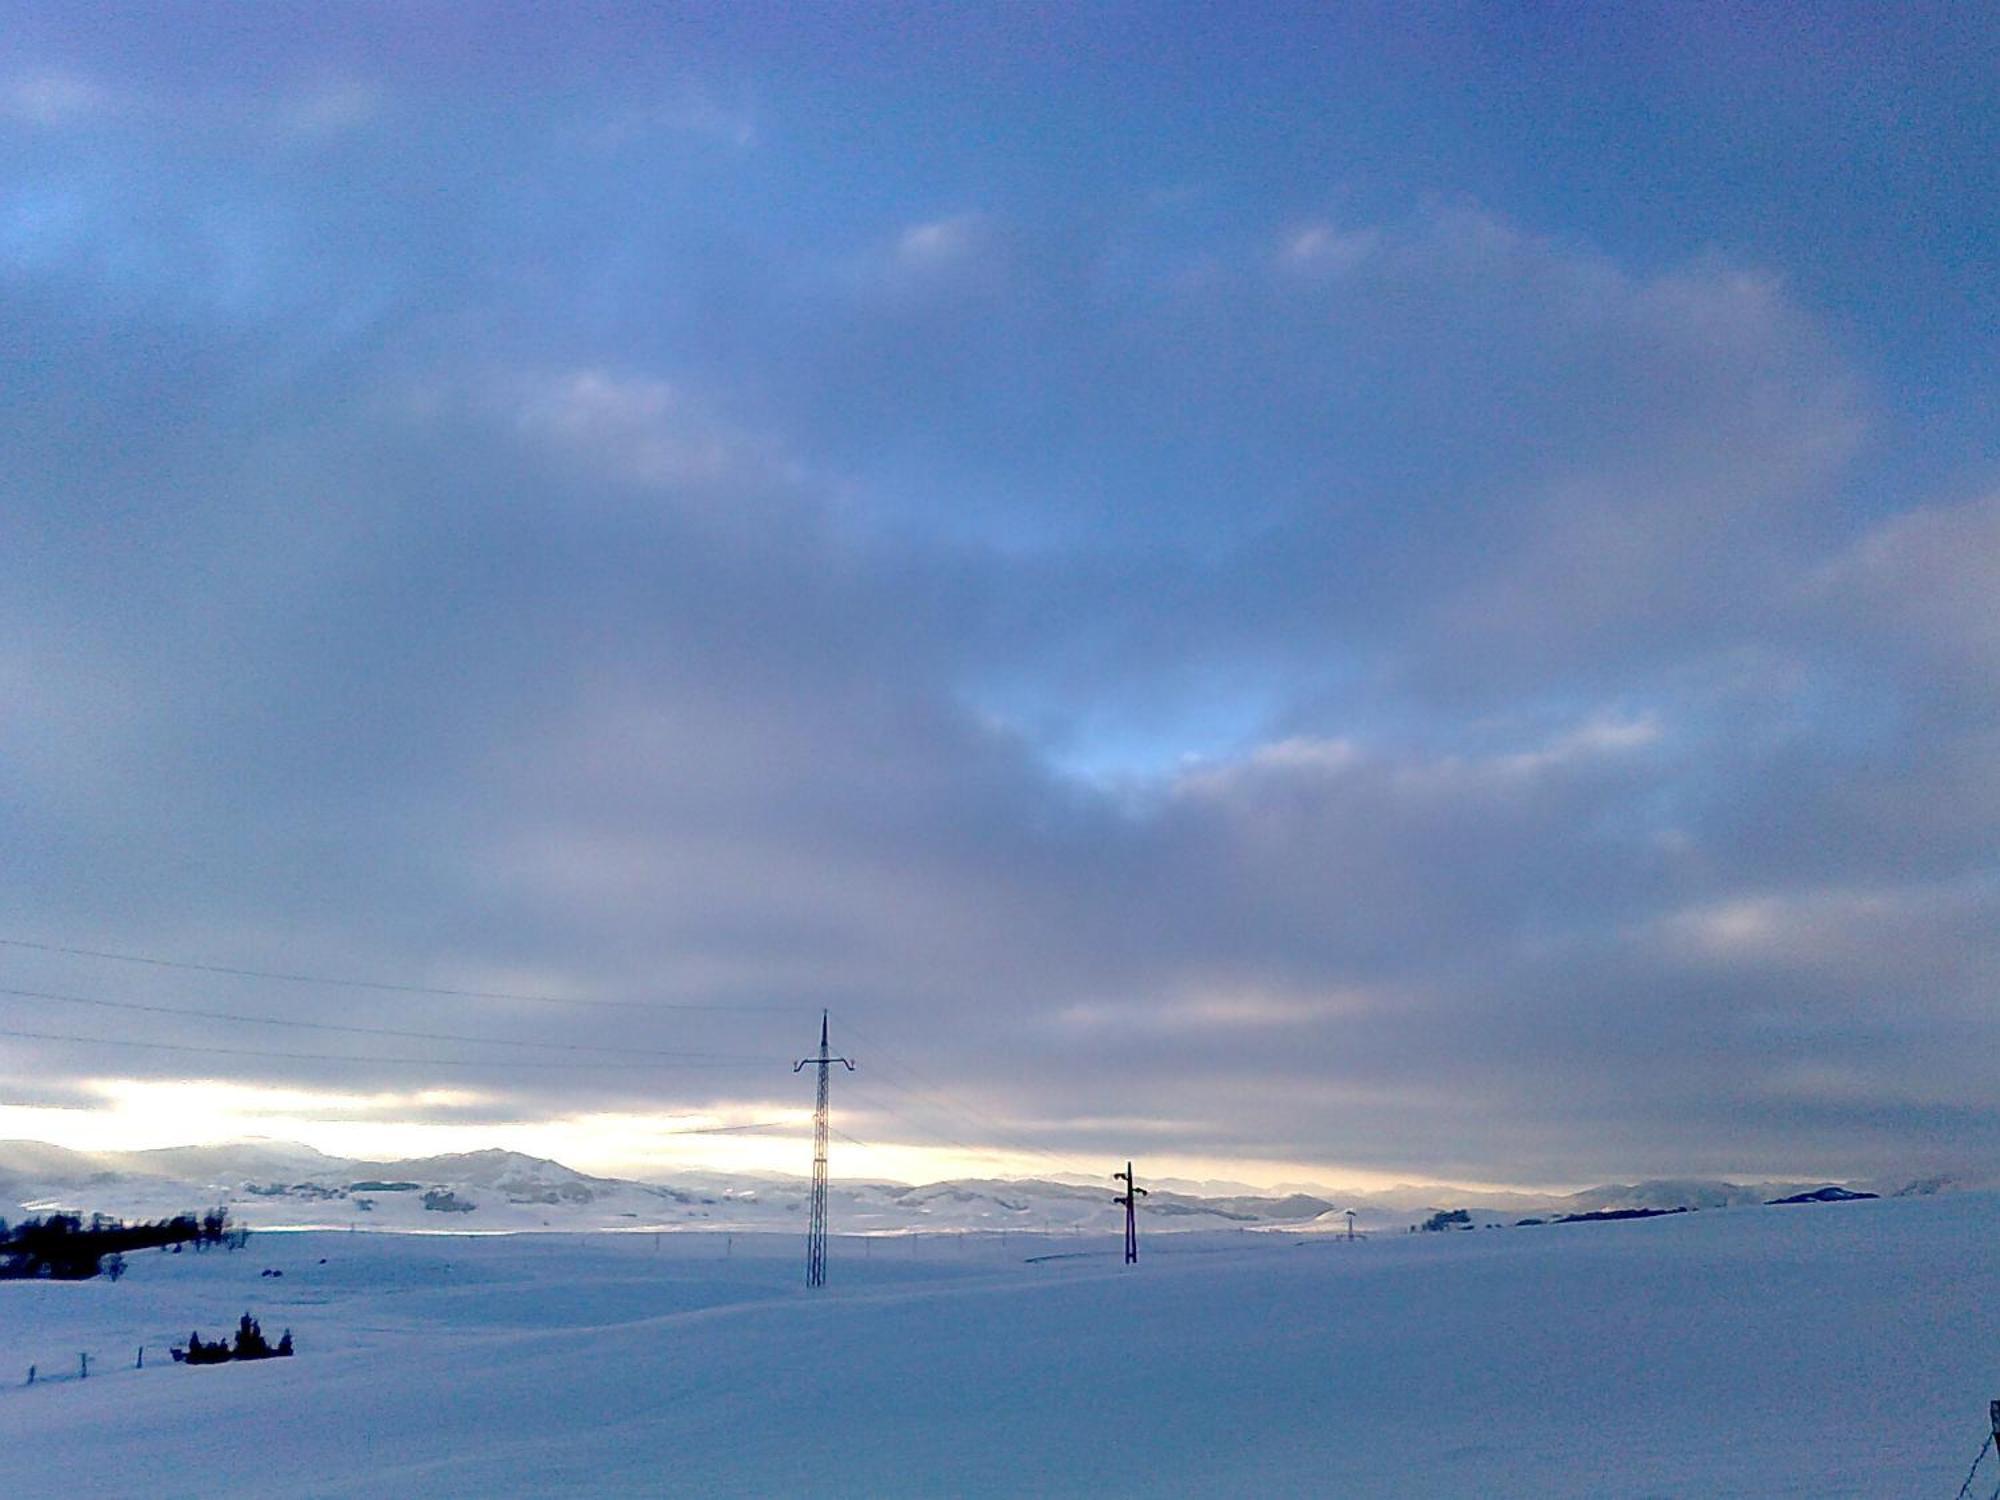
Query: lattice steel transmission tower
1130	1198
816	1228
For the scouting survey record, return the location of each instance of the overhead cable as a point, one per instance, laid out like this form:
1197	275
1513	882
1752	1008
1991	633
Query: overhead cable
389	988
420	1036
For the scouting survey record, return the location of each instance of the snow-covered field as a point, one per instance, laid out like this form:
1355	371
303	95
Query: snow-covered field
1839	1350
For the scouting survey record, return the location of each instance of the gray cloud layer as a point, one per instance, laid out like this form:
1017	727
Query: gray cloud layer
1417	694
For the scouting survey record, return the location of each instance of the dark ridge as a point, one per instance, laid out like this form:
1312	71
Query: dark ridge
1827	1194
1604	1215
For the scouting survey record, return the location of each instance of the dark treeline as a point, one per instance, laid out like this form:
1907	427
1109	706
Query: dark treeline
67	1247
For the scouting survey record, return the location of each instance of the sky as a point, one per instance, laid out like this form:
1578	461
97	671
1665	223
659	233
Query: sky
1358	595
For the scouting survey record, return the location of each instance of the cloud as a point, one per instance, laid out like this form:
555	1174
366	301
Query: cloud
1928	578
1324	250
335	105
678	115
938	242
632	428
1431	698
1598	737
1479	463
1222	1007
53	99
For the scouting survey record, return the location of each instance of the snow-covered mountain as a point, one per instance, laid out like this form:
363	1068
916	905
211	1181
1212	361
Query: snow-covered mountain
277	1185
1413	1204
273	1184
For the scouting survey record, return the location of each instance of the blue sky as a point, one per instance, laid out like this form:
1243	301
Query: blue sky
1402	593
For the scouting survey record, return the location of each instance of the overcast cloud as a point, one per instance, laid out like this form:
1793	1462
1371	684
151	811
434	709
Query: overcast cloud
1318	598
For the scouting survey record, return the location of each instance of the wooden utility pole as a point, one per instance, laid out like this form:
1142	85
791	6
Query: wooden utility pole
1130	1198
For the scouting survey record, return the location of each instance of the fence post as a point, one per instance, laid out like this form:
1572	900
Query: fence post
83	1367
142	1358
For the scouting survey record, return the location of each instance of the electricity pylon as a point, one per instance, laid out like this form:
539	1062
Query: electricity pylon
1130	1198
816	1228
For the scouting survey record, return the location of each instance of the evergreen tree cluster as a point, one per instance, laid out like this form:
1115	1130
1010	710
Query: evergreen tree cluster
250	1344
1447	1218
67	1247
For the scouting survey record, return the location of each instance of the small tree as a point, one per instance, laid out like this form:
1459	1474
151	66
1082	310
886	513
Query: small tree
250	1343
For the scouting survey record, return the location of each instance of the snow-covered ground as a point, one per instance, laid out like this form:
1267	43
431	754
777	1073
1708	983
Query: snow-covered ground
1833	1350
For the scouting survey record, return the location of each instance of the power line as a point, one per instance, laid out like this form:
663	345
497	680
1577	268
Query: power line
934	1096
1977	1459
997	1142
967	1113
424	1062
938	1094
931	1131
735	1129
421	1036
868	1098
394	989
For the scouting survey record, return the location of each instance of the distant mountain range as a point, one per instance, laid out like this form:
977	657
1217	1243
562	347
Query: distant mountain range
270	1184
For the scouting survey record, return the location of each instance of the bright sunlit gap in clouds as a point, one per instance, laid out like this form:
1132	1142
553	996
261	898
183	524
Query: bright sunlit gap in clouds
138	1114
146	1114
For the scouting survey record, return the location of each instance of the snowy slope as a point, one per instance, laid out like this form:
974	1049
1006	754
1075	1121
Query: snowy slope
1844	1350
